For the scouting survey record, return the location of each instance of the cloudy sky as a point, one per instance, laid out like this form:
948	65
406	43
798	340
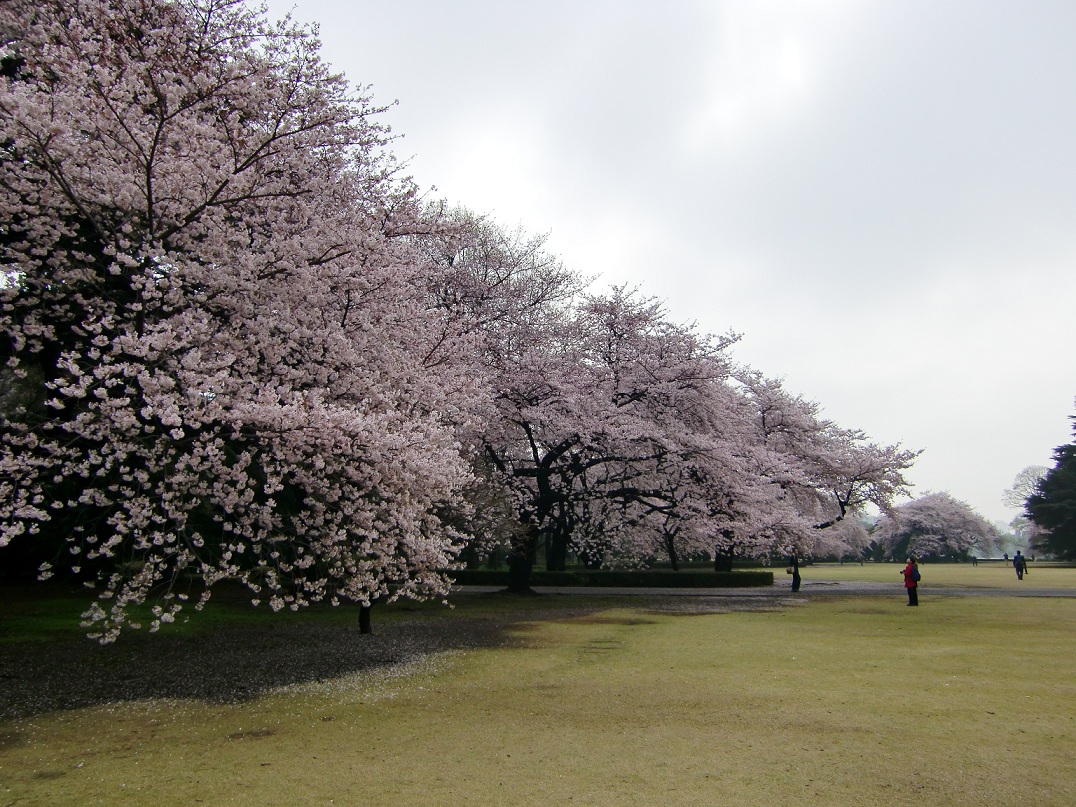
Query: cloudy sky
879	196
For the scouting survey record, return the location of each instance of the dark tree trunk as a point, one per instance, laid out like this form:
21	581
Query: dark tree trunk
364	619
670	547
519	573
722	562
556	558
558	536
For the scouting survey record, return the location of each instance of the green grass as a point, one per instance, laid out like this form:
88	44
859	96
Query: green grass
844	701
985	575
43	612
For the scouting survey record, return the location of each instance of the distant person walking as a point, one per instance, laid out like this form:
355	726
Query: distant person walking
1019	562
794	565
911	581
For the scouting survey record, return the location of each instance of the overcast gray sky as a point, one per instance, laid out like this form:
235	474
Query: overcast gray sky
880	196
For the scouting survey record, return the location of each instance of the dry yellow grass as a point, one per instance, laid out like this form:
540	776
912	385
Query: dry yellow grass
849	701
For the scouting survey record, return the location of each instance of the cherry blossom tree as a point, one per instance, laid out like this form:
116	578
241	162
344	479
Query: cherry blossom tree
723	496
934	526
615	433
848	539
212	313
498	295
542	410
828	472
666	386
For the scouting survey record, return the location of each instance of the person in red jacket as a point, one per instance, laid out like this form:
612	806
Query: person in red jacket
911	581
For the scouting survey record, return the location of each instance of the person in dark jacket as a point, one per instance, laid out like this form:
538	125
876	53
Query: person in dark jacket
1019	562
911	581
794	562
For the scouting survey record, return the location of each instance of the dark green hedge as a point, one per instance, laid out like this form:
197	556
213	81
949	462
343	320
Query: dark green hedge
640	578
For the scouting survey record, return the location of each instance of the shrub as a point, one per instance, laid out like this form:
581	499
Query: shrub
621	578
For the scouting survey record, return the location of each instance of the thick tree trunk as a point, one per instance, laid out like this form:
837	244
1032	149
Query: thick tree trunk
519	573
364	619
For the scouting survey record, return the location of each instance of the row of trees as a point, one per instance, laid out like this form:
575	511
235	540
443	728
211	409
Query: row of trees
238	343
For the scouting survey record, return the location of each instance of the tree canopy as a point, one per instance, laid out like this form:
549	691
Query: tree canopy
211	284
1023	485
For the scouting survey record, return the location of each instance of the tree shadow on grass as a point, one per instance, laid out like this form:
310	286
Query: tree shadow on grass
236	663
225	665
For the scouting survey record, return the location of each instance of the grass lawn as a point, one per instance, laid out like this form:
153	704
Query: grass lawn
964	575
840	701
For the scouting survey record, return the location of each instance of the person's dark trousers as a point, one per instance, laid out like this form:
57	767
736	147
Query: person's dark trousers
913	595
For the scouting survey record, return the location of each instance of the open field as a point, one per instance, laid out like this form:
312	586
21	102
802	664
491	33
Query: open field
853	700
964	575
